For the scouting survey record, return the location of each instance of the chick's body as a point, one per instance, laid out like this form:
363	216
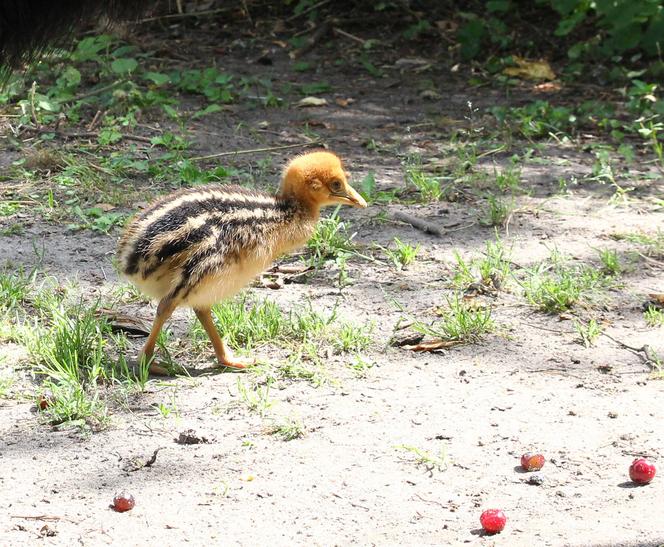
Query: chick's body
202	245
198	246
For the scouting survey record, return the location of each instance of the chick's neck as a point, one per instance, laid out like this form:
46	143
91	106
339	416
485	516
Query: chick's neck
308	208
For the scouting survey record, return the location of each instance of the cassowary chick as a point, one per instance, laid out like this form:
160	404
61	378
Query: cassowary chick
198	246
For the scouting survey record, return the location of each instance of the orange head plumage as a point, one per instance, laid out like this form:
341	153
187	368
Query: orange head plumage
317	179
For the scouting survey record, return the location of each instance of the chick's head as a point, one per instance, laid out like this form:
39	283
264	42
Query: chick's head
318	179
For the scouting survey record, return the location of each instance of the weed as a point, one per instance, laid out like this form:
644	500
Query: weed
460	322
330	240
429	187
256	399
352	337
305	364
611	264
167	408
69	401
360	366
654	316
15	289
651	245
508	180
403	254
493	269
7	380
246	324
287	428
557	288
437	462
72	349
496	212
588	332
15	229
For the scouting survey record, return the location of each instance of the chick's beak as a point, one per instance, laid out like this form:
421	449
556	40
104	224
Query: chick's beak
353	198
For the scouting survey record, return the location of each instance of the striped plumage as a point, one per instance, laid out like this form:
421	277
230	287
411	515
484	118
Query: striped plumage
220	232
197	246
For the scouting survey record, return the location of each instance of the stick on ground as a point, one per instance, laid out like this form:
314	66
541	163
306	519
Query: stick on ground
419	223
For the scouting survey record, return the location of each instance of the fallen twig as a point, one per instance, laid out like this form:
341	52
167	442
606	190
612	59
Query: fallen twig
349	35
418	223
183	15
95	91
305	11
645	352
254	150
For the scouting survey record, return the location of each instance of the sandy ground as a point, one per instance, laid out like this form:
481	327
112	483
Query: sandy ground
530	386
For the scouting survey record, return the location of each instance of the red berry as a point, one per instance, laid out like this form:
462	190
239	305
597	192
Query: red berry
642	471
532	462
493	520
123	502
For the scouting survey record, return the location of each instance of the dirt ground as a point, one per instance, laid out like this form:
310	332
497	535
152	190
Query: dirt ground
529	386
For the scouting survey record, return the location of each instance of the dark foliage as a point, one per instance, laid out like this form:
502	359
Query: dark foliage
28	27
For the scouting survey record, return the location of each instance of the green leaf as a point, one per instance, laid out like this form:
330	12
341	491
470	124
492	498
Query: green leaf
123	66
157	78
207	110
568	24
470	37
502	6
72	76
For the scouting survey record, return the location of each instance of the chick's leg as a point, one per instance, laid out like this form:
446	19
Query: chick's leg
165	309
223	354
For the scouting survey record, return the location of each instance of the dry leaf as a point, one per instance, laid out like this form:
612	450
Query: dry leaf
432	345
548	87
430	94
106	207
530	70
311	101
344	102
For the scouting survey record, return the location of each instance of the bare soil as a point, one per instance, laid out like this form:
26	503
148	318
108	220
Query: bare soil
529	386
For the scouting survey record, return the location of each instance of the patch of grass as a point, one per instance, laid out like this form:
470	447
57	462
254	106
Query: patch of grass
461	321
360	366
403	254
432	462
15	289
330	240
559	286
71	350
69	401
588	332
246	324
256	398
305	364
287	428
494	268
351	337
7	380
429	186
651	244
496	212
654	317
610	260
15	229
9	208
509	179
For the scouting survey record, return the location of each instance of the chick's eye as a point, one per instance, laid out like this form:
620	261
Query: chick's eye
336	186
